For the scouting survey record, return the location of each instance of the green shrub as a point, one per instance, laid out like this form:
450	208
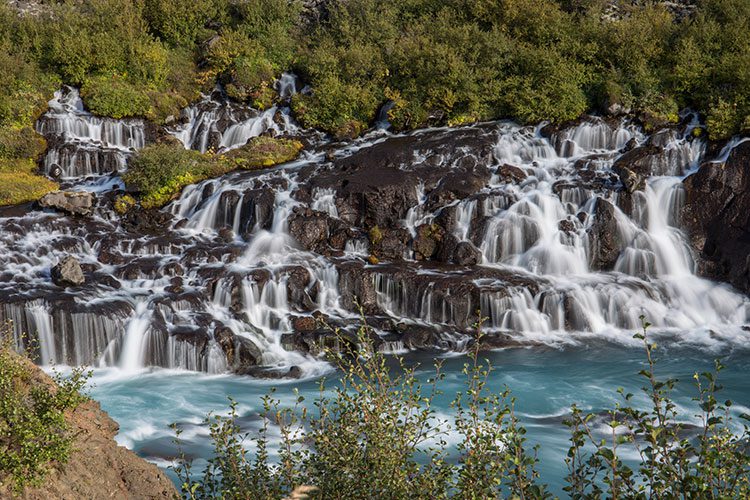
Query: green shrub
376	435
160	172
723	120
371	439
713	465
34	433
182	23
22	143
115	97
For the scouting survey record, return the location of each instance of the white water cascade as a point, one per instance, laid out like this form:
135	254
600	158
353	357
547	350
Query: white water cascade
245	271
86	144
215	123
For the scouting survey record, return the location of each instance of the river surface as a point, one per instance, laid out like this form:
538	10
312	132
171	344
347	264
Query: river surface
545	381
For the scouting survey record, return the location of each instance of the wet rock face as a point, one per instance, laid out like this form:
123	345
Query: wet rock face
68	272
309	228
466	254
716	216
605	241
71	202
377	185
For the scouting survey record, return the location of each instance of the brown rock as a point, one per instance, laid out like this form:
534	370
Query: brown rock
98	467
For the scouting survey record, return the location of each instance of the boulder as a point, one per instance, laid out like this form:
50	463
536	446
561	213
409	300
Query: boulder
511	174
605	241
466	254
70	202
68	272
309	227
425	243
716	216
389	244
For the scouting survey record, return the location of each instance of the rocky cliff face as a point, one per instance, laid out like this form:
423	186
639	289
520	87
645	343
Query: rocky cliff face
717	217
98	467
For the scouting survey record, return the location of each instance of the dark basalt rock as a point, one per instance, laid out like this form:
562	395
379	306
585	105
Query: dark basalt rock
271	373
390	244
427	240
310	228
377	185
68	272
604	237
241	353
716	216
467	254
141	221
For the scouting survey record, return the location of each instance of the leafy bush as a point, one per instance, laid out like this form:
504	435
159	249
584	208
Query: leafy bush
377	436
115	97
160	172
21	143
713	465
34	433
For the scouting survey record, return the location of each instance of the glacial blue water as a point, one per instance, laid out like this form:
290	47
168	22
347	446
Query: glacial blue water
545	381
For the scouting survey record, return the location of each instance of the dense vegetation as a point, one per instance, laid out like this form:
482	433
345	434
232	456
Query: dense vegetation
34	433
436	61
377	436
161	171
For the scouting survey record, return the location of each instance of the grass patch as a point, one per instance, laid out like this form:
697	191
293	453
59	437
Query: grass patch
160	172
20	184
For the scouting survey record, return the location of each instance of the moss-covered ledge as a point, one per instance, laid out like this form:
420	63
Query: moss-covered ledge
159	173
20	147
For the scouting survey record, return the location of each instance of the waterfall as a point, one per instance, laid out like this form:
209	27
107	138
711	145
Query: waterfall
564	254
133	349
215	123
84	144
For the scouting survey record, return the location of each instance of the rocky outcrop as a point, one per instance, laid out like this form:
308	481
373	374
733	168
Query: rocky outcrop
71	202
605	241
68	272
97	467
716	216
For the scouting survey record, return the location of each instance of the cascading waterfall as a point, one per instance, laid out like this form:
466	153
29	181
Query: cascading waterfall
227	281
215	123
86	144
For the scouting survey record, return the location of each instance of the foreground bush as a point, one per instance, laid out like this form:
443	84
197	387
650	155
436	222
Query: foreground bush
377	436
160	172
34	433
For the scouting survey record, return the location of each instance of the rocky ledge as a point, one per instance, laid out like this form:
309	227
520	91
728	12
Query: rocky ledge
716	216
98	467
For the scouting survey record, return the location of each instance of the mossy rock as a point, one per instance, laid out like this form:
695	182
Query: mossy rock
160	172
124	204
262	152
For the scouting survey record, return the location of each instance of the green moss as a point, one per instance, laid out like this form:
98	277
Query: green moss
261	152
376	235
123	204
160	172
20	184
